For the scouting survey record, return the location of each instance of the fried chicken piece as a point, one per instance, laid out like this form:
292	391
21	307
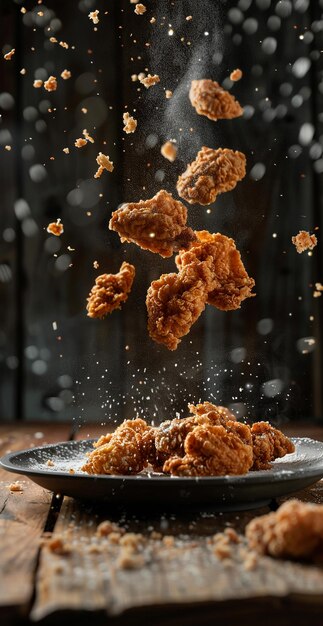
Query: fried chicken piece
121	452
175	301
269	444
304	241
294	531
231	283
210	99
110	291
214	451
213	411
213	172
171	434
158	224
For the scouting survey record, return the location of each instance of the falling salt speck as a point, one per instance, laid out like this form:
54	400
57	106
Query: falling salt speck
54	324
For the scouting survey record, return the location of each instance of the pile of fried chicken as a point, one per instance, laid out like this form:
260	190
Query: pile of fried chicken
210	269
209	442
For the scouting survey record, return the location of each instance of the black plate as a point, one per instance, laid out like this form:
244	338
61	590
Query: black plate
292	473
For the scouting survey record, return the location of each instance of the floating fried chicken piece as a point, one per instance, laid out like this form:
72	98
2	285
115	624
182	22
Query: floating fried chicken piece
55	228
9	55
304	241
50	84
230	283
158	224
66	74
148	81
140	9
130	124
37	83
169	151
104	163
236	75
110	291
294	531
174	302
269	444
94	16
210	99
122	453
214	451
213	172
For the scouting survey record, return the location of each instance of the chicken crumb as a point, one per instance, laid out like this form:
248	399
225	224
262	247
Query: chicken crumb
16	486
128	560
104	163
96	265
23	71
66	74
50	463
130	123
150	80
8	148
50	84
107	527
55	228
66	150
189	18
153	20
58	546
37	83
318	290
80	142
9	55
236	75
63	44
140	9
94	16
169	151
84	110
168	94
87	136
304	241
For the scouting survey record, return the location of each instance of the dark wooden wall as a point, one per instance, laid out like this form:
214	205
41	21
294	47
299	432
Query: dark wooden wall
83	371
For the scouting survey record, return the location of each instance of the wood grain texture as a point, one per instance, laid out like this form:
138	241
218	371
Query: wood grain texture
23	515
90	577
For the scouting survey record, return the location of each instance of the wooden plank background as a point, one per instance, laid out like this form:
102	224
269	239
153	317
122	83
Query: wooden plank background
83	371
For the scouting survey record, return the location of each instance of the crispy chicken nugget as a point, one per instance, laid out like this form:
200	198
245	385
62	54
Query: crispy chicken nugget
158	224
269	444
230	283
210	99
175	301
294	531
214	451
213	172
121	452
110	291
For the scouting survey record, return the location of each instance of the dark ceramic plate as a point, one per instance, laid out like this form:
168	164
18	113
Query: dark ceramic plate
288	475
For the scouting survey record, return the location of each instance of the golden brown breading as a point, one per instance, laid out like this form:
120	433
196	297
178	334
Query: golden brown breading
213	412
158	224
174	302
210	99
304	241
214	451
231	283
269	444
110	291
213	172
294	531
121	452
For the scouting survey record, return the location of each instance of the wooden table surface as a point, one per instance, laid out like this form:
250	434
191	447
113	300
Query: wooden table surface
182	582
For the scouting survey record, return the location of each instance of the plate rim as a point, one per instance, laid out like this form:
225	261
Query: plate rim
257	476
